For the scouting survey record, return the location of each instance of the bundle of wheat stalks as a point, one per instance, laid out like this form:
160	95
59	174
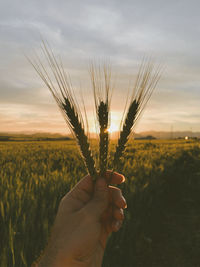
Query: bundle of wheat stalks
62	92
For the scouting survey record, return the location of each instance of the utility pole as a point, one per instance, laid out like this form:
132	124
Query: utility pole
172	135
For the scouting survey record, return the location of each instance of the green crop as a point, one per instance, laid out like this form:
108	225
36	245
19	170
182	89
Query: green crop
162	221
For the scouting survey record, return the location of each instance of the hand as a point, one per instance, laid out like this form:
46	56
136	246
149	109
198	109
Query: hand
85	218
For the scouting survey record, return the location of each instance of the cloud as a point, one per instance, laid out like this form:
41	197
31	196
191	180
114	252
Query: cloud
120	31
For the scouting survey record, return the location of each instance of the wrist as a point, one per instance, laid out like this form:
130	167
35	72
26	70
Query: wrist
52	258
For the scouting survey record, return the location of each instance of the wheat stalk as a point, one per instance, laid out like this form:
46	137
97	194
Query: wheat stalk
103	144
63	94
146	81
101	84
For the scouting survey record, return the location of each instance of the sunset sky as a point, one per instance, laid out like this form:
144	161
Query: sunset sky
121	32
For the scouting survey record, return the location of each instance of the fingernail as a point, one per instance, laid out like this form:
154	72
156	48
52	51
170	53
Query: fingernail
125	204
123	178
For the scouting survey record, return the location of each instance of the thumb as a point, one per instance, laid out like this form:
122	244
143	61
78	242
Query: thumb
99	202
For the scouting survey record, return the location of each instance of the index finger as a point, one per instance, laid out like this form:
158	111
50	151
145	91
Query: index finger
87	184
114	177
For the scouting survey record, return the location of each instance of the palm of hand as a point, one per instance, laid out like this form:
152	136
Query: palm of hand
88	215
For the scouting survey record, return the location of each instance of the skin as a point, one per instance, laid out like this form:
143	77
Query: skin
86	216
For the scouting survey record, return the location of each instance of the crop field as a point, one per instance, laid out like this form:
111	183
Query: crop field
162	221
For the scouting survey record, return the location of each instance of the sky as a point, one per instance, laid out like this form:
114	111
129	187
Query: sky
121	32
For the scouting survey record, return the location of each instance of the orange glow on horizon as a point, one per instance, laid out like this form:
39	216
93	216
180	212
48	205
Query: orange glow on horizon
113	128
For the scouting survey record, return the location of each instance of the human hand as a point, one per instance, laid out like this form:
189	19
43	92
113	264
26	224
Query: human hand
86	217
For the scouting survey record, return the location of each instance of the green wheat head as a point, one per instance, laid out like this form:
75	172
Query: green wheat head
63	94
101	83
146	81
103	144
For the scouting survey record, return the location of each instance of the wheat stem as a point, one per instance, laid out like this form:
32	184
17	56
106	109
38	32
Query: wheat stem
146	82
63	94
101	82
103	143
124	134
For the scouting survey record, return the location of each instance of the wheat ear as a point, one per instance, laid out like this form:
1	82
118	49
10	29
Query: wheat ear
63	94
146	82
103	143
101	83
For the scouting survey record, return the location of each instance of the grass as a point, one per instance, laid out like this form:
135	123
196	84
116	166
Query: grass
161	226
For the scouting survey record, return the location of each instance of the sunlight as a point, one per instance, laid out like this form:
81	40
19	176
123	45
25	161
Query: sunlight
113	128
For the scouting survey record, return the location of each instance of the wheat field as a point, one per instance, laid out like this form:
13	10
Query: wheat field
162	222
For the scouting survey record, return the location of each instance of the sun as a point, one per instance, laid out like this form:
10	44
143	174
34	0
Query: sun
113	128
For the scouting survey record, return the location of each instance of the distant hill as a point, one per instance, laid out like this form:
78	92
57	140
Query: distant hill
168	135
161	135
57	136
32	137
